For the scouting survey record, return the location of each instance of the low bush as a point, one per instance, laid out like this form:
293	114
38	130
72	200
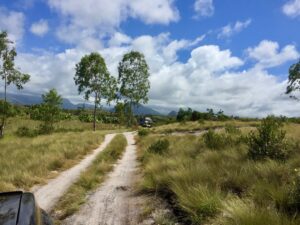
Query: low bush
269	141
26	132
159	147
45	129
143	132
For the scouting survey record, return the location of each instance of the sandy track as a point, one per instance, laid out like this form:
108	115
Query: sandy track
50	193
113	203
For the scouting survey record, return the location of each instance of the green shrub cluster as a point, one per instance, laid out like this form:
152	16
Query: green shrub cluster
221	140
26	132
159	147
143	132
269	140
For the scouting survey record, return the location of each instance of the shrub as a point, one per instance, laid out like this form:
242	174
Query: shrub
26	132
143	132
269	141
159	146
45	129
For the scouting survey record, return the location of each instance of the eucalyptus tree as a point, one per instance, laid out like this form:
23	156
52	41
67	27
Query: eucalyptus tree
92	78
8	73
134	80
294	79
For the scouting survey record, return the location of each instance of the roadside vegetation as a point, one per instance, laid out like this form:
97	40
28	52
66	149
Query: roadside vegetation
25	162
90	179
227	177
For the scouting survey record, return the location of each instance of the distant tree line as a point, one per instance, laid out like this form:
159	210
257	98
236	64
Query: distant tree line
193	115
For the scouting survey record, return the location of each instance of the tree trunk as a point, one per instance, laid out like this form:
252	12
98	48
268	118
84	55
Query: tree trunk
2	125
95	110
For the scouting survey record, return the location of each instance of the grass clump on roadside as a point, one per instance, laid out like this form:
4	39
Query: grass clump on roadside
25	162
226	186
90	179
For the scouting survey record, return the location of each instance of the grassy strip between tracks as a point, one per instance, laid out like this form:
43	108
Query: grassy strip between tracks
90	179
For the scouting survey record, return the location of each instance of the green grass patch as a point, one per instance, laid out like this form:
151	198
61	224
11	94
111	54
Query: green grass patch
90	179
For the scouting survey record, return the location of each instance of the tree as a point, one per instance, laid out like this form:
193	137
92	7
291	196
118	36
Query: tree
9	73
50	110
294	79
93	78
134	80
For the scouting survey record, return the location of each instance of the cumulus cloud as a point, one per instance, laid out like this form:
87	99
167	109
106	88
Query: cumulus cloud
40	28
204	8
211	78
13	23
232	29
268	54
104	16
292	8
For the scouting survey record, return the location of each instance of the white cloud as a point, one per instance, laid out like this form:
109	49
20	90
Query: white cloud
154	11
103	17
119	39
204	8
40	28
210	78
232	29
292	8
267	54
13	23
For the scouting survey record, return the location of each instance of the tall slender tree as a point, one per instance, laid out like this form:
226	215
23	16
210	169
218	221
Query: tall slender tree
134	80
294	79
50	110
93	78
8	73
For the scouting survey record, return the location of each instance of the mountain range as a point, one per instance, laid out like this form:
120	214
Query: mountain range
32	99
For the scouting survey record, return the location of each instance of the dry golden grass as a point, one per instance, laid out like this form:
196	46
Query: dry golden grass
223	186
193	126
25	162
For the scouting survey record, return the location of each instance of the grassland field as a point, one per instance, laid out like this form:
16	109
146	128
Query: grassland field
29	161
222	186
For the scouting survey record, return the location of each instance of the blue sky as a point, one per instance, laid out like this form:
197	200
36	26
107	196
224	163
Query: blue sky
229	54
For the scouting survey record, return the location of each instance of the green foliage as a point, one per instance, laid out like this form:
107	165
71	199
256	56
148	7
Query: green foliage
134	77
49	110
134	81
143	132
92	78
7	109
193	115
8	73
269	141
294	78
159	147
26	132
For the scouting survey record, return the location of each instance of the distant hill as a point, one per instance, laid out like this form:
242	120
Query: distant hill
32	99
172	113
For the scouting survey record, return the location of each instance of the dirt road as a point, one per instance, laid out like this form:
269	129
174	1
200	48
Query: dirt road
50	193
113	203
